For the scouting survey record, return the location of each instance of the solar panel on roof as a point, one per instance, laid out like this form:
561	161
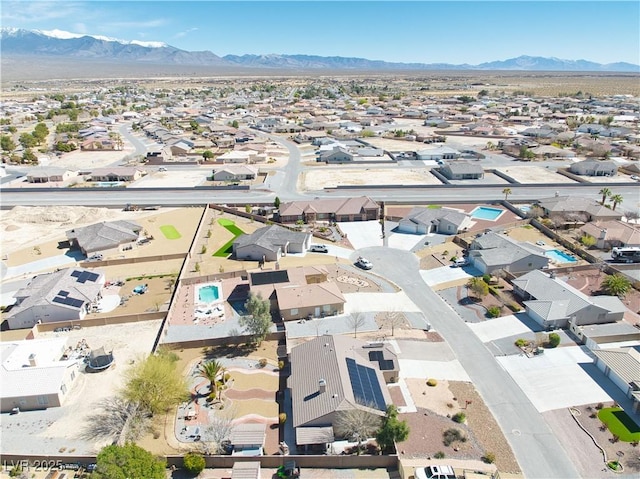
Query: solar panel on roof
75	273
84	276
63	293
365	385
75	303
269	277
375	355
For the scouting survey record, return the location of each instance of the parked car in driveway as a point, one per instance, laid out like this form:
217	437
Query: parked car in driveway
319	248
434	472
459	262
363	263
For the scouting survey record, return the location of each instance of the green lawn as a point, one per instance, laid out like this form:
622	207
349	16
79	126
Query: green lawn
620	424
227	248
434	207
170	232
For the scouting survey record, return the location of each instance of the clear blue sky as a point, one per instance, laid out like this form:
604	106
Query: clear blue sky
414	31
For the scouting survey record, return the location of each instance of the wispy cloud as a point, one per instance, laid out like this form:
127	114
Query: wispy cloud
35	12
184	33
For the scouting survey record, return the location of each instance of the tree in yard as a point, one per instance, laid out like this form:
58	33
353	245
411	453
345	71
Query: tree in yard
393	318
207	154
258	320
554	340
478	287
506	192
218	432
276	202
535	212
122	462
212	371
194	463
7	143
234	124
28	156
392	431
27	140
616	285
588	240
526	153
356	424
606	193
156	384
356	320
117	420
616	200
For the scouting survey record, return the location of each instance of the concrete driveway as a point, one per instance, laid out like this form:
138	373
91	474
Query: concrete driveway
417	368
498	328
43	264
558	378
446	274
363	234
361	302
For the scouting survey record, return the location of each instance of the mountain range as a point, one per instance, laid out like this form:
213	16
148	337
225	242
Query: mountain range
58	44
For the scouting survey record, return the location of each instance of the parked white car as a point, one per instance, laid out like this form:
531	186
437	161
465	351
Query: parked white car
435	472
363	263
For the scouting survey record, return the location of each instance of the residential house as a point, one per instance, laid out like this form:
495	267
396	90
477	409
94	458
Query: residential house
236	156
360	208
235	173
554	303
63	295
270	243
333	374
338	154
107	235
247	439
564	206
609	234
316	300
100	143
117	173
437	153
181	148
50	175
35	374
492	252
462	170
594	168
622	366
434	220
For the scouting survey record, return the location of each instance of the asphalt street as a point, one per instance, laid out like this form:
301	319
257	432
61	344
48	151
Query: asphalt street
537	450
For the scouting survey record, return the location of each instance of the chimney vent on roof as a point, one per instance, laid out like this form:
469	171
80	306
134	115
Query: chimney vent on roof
32	360
322	385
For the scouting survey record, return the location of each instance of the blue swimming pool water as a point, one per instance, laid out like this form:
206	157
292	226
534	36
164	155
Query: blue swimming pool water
209	293
486	213
560	256
109	184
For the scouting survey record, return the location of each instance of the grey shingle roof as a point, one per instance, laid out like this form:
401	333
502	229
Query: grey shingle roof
271	237
105	235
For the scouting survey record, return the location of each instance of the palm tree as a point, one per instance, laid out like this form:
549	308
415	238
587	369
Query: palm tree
210	371
507	192
605	192
616	199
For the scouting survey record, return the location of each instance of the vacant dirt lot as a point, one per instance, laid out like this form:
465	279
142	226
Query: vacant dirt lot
534	174
333	177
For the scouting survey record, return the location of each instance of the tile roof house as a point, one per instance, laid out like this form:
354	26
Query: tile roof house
330	374
50	174
59	296
270	243
438	220
119	173
557	206
361	208
492	252
622	366
235	173
613	233
594	168
338	154
104	236
554	303
34	374
462	170
437	153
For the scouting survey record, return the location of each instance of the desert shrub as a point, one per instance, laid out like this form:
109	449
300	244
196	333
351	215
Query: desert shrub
262	362
439	455
194	463
281	364
432	382
282	417
599	406
486	278
554	340
453	435
459	417
521	343
489	458
493	311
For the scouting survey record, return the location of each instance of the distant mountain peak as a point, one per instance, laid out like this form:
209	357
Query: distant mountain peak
77	46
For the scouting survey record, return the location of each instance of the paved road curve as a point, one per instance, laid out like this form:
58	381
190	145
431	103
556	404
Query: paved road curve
537	450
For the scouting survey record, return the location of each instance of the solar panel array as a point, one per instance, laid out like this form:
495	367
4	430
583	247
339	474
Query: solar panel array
365	386
269	277
84	276
383	364
66	300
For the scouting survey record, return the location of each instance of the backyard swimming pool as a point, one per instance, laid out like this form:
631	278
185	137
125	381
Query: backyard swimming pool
109	184
209	293
560	256
486	213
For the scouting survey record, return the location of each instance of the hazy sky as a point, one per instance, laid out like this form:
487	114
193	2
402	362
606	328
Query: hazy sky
413	31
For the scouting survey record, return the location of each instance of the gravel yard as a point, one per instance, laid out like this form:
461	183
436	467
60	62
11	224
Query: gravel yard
527	174
334	177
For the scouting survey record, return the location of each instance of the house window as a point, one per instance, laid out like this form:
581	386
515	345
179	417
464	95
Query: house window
63	389
326	308
43	401
294	311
